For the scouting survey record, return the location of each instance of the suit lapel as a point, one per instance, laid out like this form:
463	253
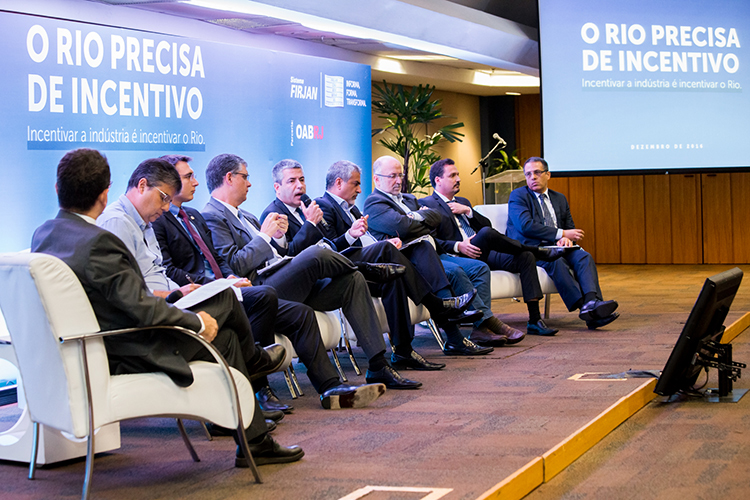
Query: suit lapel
180	228
448	213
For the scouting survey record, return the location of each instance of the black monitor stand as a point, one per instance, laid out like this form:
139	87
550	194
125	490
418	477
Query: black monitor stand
717	355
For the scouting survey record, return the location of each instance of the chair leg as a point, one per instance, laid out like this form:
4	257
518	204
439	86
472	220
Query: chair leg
186	440
89	465
434	329
295	381
34	451
338	365
205	431
546	305
246	452
348	345
289	383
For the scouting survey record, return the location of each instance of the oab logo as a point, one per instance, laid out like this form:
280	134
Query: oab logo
309	131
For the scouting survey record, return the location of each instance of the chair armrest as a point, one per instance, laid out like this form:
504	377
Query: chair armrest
208	345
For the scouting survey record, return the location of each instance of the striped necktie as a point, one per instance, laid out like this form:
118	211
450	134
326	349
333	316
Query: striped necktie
464	222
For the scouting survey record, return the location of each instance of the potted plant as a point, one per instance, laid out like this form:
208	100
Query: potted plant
407	116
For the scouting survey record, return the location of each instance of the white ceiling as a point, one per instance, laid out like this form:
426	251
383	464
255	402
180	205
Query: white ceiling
458	45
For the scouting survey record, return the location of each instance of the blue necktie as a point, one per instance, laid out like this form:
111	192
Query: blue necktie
464	221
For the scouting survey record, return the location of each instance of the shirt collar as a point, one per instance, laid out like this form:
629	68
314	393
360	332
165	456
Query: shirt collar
444	198
291	209
88	219
397	198
235	211
340	201
130	209
174	210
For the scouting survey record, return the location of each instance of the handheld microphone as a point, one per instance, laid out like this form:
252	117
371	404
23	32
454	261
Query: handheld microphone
306	201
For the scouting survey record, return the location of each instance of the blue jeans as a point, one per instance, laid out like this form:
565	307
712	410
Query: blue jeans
466	274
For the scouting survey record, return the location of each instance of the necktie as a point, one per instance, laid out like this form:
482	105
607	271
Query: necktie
548	220
464	222
201	244
366	239
300	215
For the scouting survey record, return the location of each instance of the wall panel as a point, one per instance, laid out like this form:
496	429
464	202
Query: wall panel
741	216
717	219
685	208
632	220
658	220
607	219
581	200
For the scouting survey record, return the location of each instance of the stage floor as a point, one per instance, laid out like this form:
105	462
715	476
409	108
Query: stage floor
473	423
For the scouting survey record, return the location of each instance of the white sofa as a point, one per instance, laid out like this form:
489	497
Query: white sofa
507	285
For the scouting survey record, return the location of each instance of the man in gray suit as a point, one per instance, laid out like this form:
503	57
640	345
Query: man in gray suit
112	280
317	276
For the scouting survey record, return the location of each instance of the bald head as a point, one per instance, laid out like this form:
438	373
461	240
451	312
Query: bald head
384	162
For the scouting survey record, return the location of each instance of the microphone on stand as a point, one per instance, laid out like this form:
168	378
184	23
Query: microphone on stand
306	201
499	140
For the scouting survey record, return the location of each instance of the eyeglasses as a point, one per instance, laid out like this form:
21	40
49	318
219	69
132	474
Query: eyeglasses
244	176
391	176
535	173
189	176
165	198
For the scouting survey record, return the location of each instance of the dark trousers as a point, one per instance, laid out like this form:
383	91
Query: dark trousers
235	342
574	275
506	254
269	315
326	281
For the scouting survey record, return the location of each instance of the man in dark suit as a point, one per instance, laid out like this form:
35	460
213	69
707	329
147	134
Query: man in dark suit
189	256
395	214
318	277
539	216
112	280
468	233
289	183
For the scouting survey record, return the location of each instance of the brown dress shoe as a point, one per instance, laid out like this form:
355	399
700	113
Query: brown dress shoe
496	326
484	337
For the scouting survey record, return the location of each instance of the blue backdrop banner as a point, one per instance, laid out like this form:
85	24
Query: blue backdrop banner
135	95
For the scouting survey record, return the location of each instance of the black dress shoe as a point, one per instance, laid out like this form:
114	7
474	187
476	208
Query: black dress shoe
275	415
465	348
461	317
414	361
391	378
269	451
351	396
540	328
550	254
597	309
596	323
381	273
268	401
271	359
270	425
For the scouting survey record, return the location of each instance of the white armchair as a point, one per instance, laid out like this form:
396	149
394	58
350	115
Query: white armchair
64	368
507	285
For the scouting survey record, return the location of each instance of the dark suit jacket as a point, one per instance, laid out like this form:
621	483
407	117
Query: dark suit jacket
448	233
181	256
113	282
388	220
244	252
338	221
526	221
298	236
